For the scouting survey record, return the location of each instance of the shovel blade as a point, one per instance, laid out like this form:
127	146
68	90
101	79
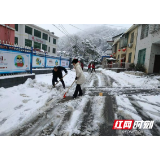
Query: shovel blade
64	95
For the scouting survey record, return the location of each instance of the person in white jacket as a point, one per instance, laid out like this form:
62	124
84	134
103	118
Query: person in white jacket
79	77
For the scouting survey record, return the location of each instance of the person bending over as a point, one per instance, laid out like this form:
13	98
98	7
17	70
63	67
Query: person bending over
57	73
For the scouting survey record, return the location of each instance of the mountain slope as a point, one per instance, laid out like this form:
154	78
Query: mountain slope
97	36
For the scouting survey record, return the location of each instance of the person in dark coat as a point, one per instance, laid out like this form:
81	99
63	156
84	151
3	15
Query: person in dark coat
93	67
57	73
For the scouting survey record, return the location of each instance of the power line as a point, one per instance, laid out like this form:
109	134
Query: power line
63	33
76	27
72	39
68	36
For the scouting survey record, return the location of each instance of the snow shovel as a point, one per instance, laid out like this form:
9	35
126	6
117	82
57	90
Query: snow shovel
59	80
68	89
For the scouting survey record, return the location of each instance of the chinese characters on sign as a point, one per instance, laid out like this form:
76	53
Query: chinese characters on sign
131	124
35	39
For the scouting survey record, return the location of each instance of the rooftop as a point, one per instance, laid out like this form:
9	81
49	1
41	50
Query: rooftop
117	36
47	31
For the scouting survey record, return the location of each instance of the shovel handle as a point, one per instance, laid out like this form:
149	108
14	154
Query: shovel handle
70	86
59	80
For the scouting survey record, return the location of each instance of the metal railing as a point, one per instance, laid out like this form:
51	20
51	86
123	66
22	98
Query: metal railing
8	48
116	65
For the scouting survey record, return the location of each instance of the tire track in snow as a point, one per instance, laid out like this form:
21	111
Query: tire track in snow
72	125
108	114
144	116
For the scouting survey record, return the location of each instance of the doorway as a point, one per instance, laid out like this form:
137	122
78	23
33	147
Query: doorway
157	64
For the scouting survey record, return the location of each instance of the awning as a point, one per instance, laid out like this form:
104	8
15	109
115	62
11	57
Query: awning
111	59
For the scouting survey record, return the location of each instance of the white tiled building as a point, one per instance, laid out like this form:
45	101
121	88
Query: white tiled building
148	47
33	36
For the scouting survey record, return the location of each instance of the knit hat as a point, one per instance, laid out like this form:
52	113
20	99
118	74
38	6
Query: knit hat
75	61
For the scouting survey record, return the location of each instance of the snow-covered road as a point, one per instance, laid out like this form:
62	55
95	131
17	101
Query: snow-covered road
34	108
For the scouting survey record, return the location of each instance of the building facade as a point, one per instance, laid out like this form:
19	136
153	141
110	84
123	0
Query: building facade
115	47
131	44
33	36
124	46
7	32
148	47
127	45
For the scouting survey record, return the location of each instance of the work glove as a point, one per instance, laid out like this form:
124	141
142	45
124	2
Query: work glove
76	78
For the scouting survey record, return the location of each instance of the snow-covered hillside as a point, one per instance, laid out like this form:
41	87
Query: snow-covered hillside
98	36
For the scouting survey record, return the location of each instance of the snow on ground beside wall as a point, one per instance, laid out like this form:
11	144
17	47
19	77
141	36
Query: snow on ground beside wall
13	76
20	102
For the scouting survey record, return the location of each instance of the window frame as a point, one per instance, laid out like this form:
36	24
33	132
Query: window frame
129	57
43	47
28	28
44	34
16	28
37	32
54	41
132	37
28	41
38	43
53	50
141	56
15	40
144	31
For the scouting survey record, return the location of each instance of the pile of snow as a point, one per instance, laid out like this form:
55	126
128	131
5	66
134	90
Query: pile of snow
127	80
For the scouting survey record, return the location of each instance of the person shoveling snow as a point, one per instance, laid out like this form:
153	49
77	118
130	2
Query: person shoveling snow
79	77
57	73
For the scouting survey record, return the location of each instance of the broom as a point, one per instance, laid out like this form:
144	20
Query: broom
68	90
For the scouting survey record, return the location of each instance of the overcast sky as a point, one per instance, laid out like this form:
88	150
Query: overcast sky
71	30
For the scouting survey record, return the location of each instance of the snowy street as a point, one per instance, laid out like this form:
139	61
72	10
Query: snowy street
35	109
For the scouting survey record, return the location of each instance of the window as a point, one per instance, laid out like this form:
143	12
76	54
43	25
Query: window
54	41
141	56
49	39
132	38
37	45
144	31
54	50
123	42
37	33
119	45
28	43
48	49
45	36
16	27
16	40
118	56
129	57
116	48
28	30
44	47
